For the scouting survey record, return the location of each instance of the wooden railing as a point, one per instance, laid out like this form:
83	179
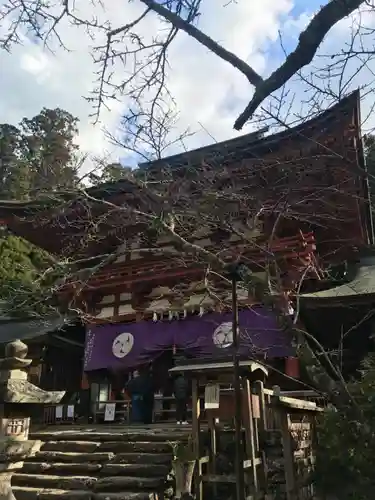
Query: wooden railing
52	413
59	414
279	436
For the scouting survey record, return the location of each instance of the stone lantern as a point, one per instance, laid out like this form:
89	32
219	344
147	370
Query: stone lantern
18	397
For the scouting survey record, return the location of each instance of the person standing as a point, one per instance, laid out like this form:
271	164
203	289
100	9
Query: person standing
135	391
181	397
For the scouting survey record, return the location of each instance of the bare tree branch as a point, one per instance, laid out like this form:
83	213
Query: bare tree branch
205	40
309	42
147	60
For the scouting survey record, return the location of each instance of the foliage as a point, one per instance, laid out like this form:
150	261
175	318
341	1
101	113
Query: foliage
14	171
24	277
111	172
38	156
49	149
346	443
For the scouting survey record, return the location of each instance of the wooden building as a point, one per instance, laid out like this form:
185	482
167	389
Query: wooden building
51	342
298	206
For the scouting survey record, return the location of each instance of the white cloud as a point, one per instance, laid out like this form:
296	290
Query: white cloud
207	90
31	77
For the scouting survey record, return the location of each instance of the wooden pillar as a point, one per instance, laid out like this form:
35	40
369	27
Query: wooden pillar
262	429
196	439
249	433
259	388
213	448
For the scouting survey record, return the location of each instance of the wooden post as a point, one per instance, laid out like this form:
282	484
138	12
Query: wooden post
213	449
259	387
196	439
262	428
249	432
288	455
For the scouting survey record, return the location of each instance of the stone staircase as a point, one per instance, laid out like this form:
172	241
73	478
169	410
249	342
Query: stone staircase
99	463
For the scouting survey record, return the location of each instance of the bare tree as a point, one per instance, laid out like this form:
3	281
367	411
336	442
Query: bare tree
150	131
178	200
146	61
217	207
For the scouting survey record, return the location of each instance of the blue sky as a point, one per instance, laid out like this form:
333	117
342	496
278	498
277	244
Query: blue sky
208	92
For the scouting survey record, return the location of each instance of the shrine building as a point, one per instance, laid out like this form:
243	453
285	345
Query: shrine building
293	208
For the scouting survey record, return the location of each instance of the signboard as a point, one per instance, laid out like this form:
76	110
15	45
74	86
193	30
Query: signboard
59	412
109	413
212	397
17	428
255	405
70	411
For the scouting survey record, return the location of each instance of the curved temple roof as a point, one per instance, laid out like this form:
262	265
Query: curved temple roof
363	284
59	223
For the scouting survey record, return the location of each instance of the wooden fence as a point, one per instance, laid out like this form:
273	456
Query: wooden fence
278	462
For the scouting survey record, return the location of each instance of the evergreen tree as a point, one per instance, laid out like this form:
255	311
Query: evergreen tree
111	172
14	171
38	156
50	150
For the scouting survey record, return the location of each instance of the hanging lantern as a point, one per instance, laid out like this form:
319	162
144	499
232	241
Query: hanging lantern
292	367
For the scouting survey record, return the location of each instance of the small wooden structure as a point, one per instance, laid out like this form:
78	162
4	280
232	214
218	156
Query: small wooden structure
212	375
277	432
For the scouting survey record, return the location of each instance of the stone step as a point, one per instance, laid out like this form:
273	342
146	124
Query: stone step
141	470
28	493
89	469
123	495
124	435
142	458
75	446
83	483
107	446
58	482
60	456
61	467
135	446
128	483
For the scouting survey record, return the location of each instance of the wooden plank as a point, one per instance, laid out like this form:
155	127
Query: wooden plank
259	389
288	455
298	404
249	463
297	426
